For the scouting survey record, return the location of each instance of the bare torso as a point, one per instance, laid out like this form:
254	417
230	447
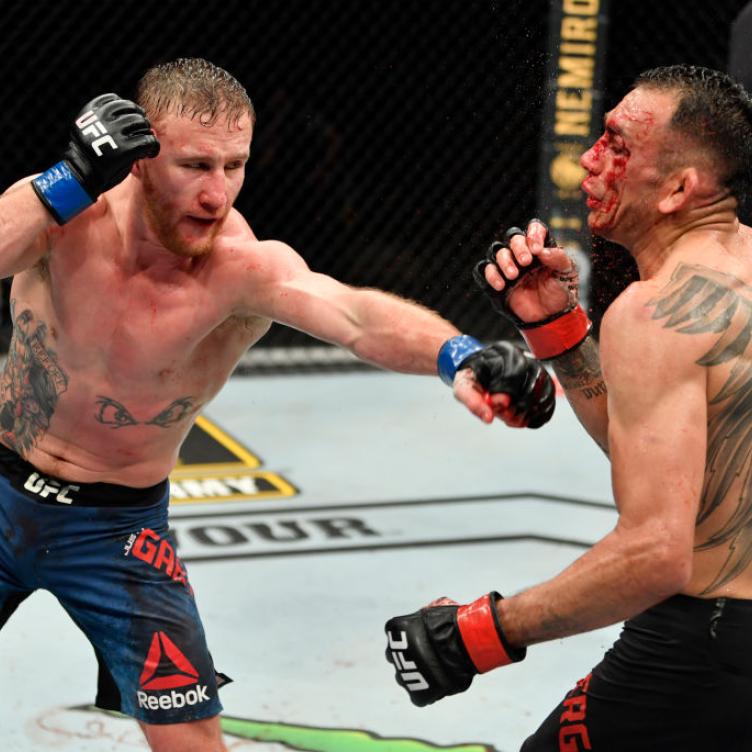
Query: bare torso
723	544
704	295
115	351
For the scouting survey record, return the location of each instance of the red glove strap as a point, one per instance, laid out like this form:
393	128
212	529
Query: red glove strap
559	336
478	629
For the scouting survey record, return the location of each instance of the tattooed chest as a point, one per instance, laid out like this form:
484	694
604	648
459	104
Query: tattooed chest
114	414
46	379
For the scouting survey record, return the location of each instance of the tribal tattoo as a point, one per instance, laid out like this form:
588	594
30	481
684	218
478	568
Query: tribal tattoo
31	384
114	414
699	300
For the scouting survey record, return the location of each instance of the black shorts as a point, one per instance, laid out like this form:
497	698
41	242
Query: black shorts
678	678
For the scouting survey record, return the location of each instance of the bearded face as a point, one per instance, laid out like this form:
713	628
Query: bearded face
191	186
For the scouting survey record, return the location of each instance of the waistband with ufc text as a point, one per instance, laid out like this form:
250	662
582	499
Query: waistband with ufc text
48	489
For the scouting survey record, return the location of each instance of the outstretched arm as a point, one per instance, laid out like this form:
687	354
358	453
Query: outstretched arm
378	327
396	334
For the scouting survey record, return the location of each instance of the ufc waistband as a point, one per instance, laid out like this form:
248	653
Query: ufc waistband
48	489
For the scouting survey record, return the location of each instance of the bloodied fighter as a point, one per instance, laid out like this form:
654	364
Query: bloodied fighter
669	398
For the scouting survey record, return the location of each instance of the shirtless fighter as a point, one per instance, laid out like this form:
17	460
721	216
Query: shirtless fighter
137	288
665	181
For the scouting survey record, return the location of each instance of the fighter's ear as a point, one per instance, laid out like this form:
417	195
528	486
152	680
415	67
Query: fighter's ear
678	190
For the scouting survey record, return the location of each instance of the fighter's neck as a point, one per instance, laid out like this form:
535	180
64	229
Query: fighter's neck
674	233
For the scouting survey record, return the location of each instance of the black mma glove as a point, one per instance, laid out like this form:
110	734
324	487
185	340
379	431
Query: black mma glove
549	337
438	650
502	368
109	135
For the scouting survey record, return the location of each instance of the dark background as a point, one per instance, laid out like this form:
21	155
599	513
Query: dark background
393	138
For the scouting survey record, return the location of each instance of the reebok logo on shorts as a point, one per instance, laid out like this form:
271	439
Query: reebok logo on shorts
166	668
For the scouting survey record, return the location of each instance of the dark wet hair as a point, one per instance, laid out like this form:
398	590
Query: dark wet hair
193	87
715	112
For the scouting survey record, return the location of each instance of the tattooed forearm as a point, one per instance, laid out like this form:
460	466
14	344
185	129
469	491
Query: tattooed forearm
32	383
114	414
581	370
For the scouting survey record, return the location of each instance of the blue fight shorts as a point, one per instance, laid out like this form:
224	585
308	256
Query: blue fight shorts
104	551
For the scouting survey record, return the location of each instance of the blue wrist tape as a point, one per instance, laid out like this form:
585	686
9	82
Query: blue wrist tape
452	353
61	193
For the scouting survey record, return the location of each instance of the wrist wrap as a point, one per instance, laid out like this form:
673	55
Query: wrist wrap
557	335
452	353
61	192
483	635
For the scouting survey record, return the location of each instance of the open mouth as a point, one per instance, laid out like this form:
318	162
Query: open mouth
200	225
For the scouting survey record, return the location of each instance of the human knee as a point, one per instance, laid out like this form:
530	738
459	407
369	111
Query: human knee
193	736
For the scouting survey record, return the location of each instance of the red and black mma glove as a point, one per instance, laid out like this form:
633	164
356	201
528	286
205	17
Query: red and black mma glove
438	650
502	368
109	135
550	337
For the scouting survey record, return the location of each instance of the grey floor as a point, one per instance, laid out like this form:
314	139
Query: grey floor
373	494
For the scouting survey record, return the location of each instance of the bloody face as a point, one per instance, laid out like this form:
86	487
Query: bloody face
622	166
191	186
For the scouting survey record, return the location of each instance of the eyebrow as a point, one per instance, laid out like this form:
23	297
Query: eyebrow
613	127
203	157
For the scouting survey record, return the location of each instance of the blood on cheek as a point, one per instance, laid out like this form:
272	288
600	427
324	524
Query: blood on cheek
611	177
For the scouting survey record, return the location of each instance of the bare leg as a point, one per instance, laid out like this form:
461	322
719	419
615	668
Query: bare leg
193	736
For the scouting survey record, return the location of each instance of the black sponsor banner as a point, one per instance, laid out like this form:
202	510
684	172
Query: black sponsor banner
572	120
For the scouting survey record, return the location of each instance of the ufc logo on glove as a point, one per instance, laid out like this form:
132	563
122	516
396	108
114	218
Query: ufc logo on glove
440	648
90	125
412	679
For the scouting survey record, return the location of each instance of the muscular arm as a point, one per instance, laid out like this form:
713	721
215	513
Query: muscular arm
657	439
23	225
380	328
376	326
579	373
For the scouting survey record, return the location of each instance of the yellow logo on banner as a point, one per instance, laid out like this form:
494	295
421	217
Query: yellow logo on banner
215	467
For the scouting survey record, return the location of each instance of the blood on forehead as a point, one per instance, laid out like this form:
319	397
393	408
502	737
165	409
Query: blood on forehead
638	114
